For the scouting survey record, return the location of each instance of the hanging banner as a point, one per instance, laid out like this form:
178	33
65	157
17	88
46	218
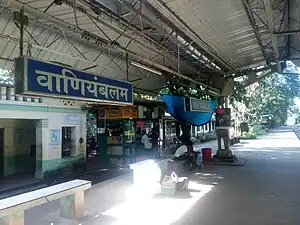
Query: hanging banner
175	106
34	77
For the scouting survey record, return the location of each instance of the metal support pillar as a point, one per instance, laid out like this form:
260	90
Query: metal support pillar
271	26
127	67
22	32
223	133
178	58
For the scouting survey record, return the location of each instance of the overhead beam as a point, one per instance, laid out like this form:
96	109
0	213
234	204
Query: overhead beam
287	32
247	8
139	31
164	10
129	30
94	40
164	28
271	26
288	26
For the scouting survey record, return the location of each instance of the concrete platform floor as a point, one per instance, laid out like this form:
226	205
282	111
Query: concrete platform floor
263	192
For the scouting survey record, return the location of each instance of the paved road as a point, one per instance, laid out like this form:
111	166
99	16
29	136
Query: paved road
263	192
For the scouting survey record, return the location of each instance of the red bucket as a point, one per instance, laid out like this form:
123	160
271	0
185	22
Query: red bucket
206	154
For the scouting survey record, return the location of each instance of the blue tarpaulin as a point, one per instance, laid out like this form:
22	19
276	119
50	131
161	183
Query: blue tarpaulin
175	106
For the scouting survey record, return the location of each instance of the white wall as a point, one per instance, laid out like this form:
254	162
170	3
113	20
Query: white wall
57	121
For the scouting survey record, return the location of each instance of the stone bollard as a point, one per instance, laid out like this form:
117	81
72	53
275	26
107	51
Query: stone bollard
14	219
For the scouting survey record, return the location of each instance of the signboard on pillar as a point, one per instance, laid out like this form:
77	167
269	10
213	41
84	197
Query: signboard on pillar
101	122
197	105
71	119
223	118
35	77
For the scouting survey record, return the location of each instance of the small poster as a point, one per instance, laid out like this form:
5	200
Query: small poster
114	113
223	118
55	137
102	113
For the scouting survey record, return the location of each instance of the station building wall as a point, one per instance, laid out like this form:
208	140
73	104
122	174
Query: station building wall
37	119
49	156
19	136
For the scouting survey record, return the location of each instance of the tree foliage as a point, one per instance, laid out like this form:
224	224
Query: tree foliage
185	91
273	95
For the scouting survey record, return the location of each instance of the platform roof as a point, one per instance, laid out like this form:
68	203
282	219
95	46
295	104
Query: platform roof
193	42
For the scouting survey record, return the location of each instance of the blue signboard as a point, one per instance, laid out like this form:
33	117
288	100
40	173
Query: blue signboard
36	77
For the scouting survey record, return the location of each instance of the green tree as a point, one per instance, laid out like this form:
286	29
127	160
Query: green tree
274	95
179	90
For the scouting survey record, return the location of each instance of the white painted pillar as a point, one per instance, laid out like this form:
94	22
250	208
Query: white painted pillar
19	98
10	93
3	93
42	146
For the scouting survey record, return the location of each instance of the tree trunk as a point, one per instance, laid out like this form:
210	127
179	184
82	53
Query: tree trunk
177	129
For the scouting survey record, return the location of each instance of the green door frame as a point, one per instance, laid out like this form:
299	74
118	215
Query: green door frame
1	153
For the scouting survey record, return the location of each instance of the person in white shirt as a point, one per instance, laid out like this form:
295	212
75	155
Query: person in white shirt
232	134
183	154
181	151
145	140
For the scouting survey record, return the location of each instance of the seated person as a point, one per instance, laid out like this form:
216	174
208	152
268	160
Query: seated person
145	141
182	153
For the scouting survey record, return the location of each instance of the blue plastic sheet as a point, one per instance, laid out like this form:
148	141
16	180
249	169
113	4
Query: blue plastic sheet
175	106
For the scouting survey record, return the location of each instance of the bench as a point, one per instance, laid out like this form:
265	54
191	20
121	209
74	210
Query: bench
147	171
71	204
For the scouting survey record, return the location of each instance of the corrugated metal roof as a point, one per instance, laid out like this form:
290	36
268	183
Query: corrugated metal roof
42	42
61	33
223	25
208	37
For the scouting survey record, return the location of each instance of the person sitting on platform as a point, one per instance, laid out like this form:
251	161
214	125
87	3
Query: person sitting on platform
183	153
154	141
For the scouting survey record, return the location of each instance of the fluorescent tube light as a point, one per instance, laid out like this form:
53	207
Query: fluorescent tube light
146	68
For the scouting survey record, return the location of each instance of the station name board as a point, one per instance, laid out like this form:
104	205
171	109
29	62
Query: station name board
34	77
197	105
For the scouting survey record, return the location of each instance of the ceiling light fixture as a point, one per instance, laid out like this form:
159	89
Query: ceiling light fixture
146	68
